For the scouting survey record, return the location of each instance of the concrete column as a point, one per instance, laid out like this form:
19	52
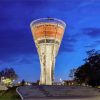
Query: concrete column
47	61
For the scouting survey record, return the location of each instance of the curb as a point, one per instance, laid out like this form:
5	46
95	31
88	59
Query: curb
19	93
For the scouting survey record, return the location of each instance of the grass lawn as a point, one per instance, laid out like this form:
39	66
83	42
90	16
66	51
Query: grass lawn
10	94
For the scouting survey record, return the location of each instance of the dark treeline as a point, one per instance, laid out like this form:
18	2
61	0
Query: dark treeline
8	73
89	72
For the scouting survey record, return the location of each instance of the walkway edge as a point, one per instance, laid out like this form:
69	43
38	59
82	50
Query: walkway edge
19	93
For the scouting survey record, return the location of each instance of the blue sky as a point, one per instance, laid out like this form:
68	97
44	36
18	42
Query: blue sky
17	48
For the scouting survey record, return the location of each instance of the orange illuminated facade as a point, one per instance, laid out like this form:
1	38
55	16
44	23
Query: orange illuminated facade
48	30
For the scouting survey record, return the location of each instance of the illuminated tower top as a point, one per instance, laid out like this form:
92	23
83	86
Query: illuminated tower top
47	28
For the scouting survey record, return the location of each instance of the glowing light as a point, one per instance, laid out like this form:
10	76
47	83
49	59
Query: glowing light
7	81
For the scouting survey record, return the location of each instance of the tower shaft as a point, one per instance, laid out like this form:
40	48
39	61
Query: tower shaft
47	54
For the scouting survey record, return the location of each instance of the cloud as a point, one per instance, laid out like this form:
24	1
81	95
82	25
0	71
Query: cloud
68	43
16	41
93	45
92	32
98	42
86	3
1	62
28	59
20	59
25	61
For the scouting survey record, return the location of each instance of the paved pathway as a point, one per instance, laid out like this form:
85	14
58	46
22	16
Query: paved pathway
58	93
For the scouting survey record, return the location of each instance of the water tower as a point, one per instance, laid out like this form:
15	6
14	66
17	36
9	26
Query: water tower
47	34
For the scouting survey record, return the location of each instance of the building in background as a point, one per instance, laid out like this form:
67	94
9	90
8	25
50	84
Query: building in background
69	82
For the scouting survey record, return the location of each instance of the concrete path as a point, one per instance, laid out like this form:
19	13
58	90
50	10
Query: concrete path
58	93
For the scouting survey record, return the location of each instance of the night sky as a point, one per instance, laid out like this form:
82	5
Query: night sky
17	48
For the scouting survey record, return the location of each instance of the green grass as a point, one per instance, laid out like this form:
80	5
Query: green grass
10	94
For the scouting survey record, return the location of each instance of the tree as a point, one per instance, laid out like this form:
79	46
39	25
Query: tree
89	72
71	74
8	73
23	82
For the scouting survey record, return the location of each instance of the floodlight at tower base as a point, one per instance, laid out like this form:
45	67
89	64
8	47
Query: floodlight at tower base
47	34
